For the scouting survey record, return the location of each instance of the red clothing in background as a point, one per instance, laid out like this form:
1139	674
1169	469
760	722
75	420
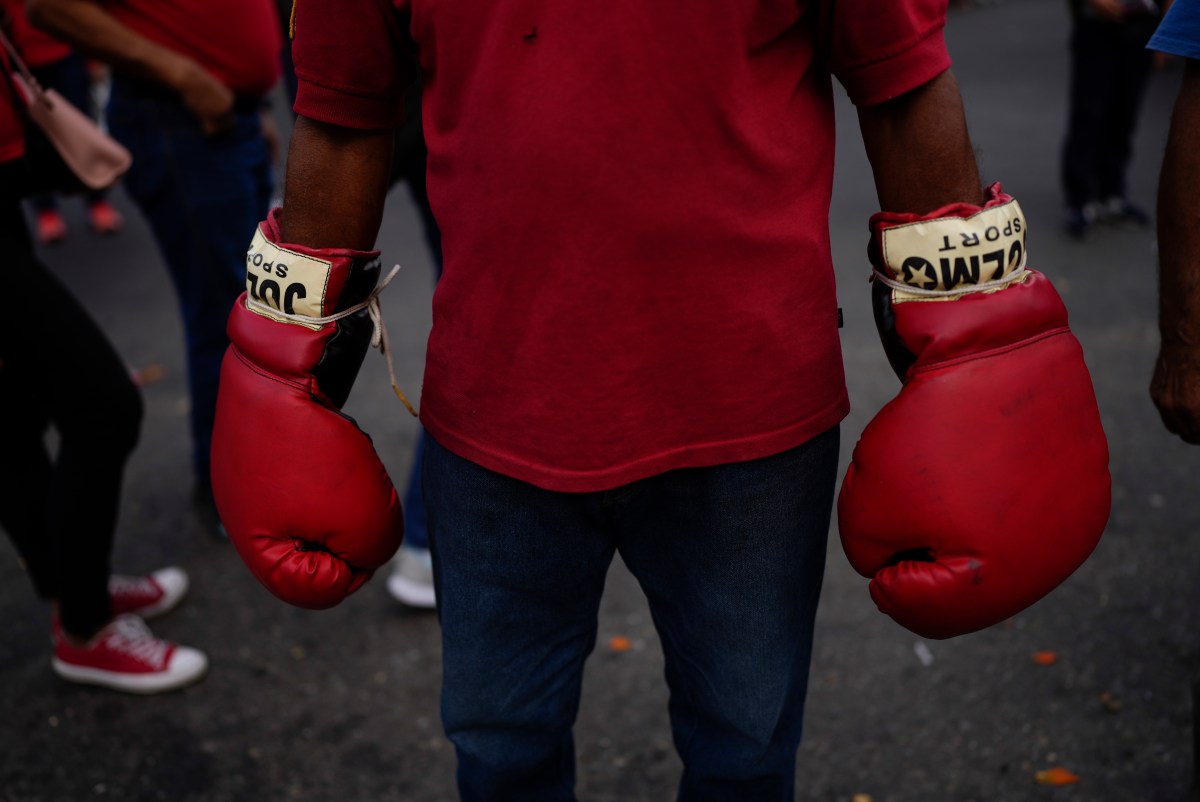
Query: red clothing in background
37	47
238	41
634	210
12	137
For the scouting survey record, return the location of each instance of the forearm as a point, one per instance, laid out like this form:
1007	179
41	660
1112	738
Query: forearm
90	29
1179	221
919	149
336	185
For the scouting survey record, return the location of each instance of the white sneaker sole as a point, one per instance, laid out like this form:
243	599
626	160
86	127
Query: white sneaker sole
188	666
406	591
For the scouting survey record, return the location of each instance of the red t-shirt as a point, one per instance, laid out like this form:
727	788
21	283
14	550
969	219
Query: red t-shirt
12	134
238	41
37	48
634	210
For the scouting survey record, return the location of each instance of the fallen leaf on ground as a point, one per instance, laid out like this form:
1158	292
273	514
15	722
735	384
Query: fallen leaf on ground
150	374
1057	776
861	798
1045	658
619	643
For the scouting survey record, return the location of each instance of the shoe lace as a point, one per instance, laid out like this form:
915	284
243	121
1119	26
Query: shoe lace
379	336
131	636
131	586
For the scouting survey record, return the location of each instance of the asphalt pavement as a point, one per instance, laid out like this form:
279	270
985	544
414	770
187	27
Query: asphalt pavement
342	704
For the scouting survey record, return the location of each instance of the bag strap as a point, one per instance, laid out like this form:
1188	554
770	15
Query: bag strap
38	93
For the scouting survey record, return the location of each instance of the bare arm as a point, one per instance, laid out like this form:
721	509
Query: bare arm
919	149
337	180
1175	387
89	28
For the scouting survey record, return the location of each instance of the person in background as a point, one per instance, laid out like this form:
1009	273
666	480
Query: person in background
1175	386
56	66
188	89
1109	69
60	509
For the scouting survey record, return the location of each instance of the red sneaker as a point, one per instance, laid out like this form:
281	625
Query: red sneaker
125	656
147	596
50	226
103	218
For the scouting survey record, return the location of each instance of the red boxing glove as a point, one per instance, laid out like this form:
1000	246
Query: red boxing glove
306	501
984	483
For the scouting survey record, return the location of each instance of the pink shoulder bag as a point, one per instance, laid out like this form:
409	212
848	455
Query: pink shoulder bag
96	159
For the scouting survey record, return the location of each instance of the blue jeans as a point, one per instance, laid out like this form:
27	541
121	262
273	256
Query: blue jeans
203	196
730	559
416	529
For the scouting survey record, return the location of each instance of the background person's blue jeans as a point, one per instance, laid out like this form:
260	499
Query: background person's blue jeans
731	560
416	526
203	196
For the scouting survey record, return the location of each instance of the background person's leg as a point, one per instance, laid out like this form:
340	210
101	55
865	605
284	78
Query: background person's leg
24	478
60	368
1093	73
1132	64
203	197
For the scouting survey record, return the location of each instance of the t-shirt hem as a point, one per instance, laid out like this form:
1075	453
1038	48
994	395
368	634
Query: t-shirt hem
1175	46
337	107
695	456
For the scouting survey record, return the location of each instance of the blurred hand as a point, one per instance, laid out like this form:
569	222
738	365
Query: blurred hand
1175	390
1112	10
207	98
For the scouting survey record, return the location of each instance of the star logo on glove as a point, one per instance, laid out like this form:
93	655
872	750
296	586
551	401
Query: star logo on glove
915	265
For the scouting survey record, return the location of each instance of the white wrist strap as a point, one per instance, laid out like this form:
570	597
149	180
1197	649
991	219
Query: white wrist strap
379	336
966	289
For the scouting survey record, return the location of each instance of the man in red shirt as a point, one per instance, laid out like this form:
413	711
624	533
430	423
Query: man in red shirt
188	86
635	343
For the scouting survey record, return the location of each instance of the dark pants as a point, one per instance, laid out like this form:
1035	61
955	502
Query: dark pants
203	197
1109	68
730	559
58	369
